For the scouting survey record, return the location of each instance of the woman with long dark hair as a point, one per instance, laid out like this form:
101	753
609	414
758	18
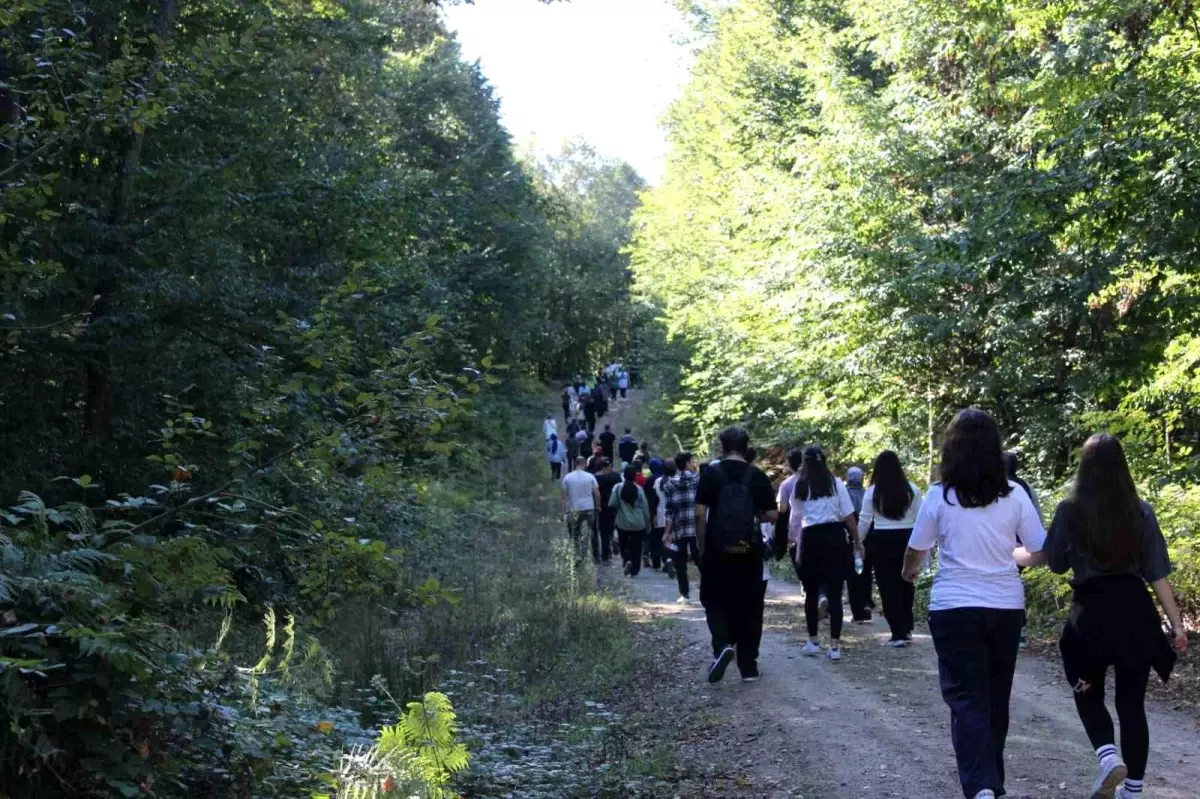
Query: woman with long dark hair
889	511
827	534
633	519
975	517
1111	542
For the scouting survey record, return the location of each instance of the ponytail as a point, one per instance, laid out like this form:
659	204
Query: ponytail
629	489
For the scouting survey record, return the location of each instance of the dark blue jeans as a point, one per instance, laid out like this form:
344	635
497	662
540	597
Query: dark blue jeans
977	656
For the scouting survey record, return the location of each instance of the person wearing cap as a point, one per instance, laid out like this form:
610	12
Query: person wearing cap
861	600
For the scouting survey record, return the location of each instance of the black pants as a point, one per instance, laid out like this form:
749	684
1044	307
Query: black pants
602	536
631	548
590	415
682	547
886	548
733	594
859	587
655	546
823	565
1114	624
977	657
567	412
623	393
556	471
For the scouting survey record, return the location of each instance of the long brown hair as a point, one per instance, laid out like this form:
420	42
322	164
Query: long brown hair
973	460
1109	525
893	492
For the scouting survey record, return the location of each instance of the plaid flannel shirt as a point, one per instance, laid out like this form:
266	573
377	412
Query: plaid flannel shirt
680	494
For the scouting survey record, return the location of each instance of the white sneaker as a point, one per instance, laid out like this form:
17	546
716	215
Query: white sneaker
896	643
682	601
1111	776
987	793
811	649
1124	794
834	653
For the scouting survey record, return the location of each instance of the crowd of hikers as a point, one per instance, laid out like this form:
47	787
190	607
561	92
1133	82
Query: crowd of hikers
852	536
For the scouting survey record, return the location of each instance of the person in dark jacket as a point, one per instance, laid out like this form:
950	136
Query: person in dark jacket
628	446
1110	541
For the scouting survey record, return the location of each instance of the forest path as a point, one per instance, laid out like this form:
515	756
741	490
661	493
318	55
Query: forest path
873	724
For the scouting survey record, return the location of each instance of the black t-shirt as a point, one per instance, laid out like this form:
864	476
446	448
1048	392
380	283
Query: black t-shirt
607	439
1155	561
709	491
607	480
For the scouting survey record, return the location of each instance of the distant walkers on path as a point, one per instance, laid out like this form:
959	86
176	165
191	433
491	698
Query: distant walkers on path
1111	543
608	442
628	446
632	520
606	524
732	499
679	534
556	453
549	427
889	511
826	547
858	582
975	517
581	500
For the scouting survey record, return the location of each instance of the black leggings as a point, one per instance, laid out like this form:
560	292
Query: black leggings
887	548
823	561
1130	690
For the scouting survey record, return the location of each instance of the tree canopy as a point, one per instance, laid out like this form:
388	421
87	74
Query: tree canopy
876	214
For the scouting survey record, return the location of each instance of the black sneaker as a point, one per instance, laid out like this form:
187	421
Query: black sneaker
721	662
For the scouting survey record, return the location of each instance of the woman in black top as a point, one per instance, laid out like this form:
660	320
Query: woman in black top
1111	542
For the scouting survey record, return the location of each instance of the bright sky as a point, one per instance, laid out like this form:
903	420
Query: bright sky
605	70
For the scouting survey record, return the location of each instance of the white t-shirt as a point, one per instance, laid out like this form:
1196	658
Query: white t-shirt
823	510
660	513
975	548
869	514
549	426
577	488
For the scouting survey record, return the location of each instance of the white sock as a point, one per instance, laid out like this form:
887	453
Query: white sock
1133	786
1105	752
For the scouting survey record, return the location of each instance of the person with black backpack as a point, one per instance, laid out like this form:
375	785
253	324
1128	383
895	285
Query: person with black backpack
733	498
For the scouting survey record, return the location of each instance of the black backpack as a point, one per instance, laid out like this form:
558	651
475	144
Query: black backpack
735	528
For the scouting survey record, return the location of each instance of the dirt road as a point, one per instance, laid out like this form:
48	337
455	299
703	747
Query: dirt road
874	724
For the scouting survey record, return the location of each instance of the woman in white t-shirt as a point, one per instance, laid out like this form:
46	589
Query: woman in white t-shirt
976	516
822	504
889	511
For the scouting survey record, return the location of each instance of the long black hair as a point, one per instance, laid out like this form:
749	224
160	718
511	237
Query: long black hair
973	460
816	480
893	492
629	489
1109	525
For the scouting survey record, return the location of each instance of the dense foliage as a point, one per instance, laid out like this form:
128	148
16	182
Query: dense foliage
260	266
877	213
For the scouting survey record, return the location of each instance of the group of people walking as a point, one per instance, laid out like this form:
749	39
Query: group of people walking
984	527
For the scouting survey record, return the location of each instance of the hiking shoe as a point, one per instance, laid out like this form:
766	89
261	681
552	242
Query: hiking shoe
721	662
811	649
834	654
1111	776
897	643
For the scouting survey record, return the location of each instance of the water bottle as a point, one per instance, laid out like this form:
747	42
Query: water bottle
858	563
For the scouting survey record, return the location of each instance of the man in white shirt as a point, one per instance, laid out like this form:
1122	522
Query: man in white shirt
581	499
